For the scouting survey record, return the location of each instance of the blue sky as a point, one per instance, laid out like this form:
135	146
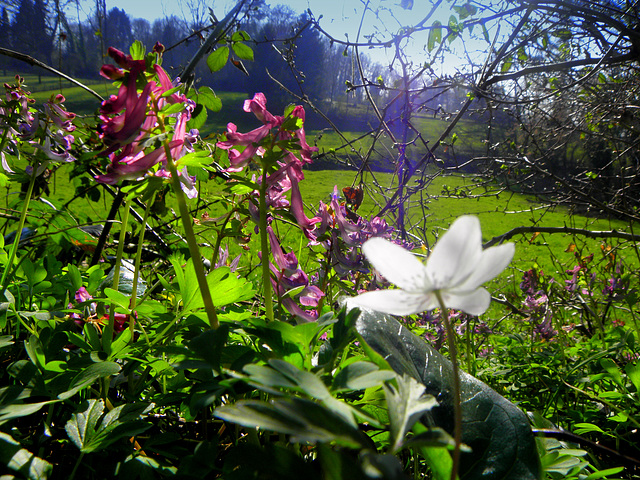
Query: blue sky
340	17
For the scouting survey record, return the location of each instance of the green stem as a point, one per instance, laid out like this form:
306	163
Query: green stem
107	335
16	241
190	235
264	244
75	467
136	270
457	403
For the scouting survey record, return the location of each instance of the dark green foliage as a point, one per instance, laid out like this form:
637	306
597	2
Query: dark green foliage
499	434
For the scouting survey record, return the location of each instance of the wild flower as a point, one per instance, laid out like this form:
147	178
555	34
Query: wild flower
455	270
129	121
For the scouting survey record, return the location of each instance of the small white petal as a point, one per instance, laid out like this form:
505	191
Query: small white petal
456	253
492	262
394	302
473	303
396	264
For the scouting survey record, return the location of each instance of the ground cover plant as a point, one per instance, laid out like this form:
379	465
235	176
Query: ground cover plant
205	315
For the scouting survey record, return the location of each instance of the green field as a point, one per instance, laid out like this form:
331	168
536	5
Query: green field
430	210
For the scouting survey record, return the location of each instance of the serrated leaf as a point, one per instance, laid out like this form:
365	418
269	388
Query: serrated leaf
82	425
137	50
497	431
240	36
89	433
242	51
406	405
207	97
218	58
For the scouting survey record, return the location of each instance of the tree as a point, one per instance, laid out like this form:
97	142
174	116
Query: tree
5	37
117	30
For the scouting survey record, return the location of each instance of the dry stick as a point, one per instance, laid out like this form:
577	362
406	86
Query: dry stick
37	63
486	71
566	230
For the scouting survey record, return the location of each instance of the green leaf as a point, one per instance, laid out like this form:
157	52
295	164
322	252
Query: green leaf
73	274
137	50
6	341
604	473
81	427
117	298
88	376
465	11
242	51
89	433
613	370
304	420
199	159
22	461
406	405
240	36
198	117
435	35
497	431
218	58
360	376
506	65
207	97
633	372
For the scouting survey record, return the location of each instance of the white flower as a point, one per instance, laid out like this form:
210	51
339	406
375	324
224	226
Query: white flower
456	268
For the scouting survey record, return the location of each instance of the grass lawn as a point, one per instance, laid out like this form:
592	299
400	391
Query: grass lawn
431	209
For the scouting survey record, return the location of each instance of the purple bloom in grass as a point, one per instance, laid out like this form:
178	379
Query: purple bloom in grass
58	115
286	261
297	207
82	295
310	296
529	284
545	328
130	165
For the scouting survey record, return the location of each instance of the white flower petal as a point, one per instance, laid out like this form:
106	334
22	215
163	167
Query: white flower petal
473	303
456	253
394	302
396	264
493	261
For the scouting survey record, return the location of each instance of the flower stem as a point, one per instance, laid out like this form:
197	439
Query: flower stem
107	335
457	403
16	241
136	269
264	245
190	235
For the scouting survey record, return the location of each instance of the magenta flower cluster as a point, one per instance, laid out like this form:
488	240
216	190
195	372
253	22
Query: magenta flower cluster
330	227
49	131
131	119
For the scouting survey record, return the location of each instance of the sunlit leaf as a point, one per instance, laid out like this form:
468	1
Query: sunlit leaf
243	51
22	461
497	431
218	58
